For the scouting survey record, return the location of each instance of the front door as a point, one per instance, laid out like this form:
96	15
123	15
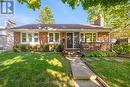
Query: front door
73	40
69	40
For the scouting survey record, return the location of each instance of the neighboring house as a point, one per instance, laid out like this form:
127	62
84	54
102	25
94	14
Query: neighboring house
6	36
72	36
122	35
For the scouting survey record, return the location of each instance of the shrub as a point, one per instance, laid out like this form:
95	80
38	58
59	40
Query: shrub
99	54
26	48
16	48
121	48
46	48
52	48
22	48
37	48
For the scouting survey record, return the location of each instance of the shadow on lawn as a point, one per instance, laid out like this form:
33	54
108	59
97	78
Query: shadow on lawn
33	70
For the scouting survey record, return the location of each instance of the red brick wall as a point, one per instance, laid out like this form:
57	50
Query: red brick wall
43	39
103	36
16	38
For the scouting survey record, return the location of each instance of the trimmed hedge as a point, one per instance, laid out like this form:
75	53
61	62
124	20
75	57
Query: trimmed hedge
99	54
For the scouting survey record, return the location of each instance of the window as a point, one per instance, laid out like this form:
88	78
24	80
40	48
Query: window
29	37
87	37
35	37
24	37
54	37
51	39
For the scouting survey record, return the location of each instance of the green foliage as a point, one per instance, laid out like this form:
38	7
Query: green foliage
99	54
121	48
26	48
34	4
52	48
46	16
16	48
46	48
115	17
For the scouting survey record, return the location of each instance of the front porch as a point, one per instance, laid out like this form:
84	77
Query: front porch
85	41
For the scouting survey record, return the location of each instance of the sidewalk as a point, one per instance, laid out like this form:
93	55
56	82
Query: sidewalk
82	75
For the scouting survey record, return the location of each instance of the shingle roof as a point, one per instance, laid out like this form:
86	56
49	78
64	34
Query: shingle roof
59	26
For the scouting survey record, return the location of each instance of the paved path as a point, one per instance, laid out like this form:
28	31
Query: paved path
83	76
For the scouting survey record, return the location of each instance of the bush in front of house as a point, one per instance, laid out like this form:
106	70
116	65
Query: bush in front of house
121	48
16	48
26	48
99	54
52	48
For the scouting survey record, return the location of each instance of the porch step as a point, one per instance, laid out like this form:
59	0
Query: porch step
72	53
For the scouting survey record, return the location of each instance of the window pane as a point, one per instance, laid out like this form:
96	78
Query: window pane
23	37
82	37
88	37
94	36
50	37
35	34
30	37
23	34
56	37
35	39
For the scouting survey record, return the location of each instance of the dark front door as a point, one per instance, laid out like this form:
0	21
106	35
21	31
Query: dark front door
69	40
76	40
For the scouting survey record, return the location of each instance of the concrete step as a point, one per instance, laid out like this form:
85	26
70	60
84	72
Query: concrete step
80	71
88	83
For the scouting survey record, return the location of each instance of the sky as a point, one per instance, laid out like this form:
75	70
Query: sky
63	14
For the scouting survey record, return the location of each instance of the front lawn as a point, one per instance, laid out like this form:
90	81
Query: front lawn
115	73
34	70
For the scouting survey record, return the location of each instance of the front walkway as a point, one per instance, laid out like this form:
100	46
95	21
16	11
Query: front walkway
82	75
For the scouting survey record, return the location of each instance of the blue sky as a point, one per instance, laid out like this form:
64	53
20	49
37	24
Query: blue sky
63	14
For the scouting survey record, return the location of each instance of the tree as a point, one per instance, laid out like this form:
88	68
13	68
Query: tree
115	17
46	16
34	4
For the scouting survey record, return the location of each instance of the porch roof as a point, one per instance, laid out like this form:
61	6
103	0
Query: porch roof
61	27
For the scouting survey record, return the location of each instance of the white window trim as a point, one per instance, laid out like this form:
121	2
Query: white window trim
53	38
84	36
27	38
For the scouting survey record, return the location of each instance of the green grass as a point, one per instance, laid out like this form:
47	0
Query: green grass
34	70
116	74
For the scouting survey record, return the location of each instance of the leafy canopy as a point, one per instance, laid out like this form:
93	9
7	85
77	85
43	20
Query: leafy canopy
115	17
35	4
46	16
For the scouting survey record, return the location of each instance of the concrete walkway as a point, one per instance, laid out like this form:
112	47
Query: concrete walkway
82	75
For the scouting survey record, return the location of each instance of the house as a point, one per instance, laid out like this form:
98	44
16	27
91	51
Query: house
71	36
6	36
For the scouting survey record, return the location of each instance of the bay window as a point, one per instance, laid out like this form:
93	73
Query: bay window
54	38
29	37
87	37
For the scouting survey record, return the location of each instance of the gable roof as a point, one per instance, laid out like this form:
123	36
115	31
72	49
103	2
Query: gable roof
59	26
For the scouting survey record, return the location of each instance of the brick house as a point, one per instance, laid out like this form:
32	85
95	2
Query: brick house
71	36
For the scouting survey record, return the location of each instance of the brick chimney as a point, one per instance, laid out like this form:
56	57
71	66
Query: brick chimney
100	21
9	24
